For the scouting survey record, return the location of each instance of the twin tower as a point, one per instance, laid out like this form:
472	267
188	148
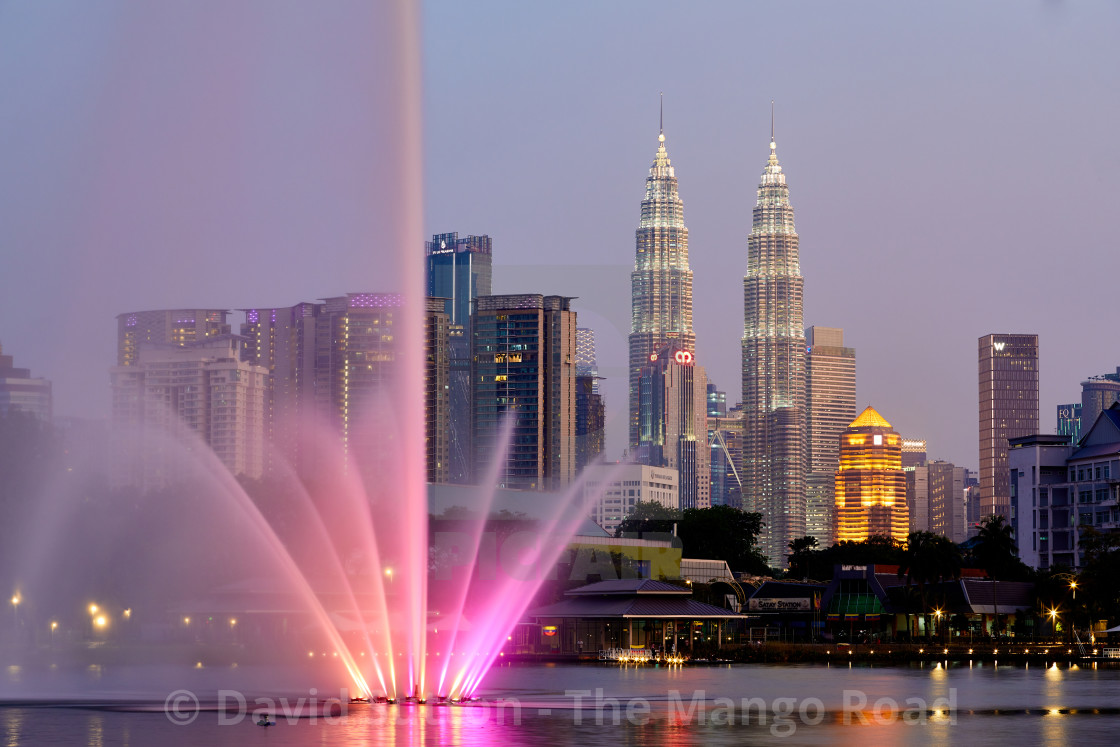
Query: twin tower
774	447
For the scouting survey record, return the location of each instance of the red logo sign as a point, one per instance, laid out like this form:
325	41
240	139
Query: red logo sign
684	357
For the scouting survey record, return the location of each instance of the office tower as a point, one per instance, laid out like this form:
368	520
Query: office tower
947	500
612	491
717	402
166	327
437	390
917	497
661	283
21	393
459	271
673	421
1008	409
591	421
870	483
1069	421
725	441
774	440
1098	394
282	340
202	386
586	364
830	396
913	453
524	365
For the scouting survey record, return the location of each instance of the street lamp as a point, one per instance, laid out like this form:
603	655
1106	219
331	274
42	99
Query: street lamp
389	573
1073	586
937	614
1053	620
15	608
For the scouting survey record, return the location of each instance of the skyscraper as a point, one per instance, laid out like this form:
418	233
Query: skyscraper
661	283
524	365
673	421
870	483
166	327
1008	409
913	452
774	442
586	364
459	270
20	392
1098	393
830	394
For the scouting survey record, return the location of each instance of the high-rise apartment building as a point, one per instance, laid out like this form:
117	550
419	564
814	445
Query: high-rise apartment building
202	386
947	509
591	421
586	363
917	497
459	270
774	416
20	392
870	483
673	421
524	368
166	327
437	391
1008	409
661	283
830	395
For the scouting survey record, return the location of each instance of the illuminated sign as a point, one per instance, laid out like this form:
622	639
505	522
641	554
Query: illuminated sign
652	357
798	604
999	346
549	630
683	357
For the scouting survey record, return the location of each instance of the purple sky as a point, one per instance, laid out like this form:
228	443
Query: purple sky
954	168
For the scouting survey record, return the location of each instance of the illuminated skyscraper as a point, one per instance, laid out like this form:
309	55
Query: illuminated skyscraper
831	400
870	483
774	423
661	283
166	327
1008	409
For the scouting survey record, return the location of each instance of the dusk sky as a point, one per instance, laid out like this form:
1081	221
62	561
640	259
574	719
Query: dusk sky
954	168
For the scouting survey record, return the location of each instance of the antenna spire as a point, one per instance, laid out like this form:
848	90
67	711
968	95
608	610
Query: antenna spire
771	120
662	120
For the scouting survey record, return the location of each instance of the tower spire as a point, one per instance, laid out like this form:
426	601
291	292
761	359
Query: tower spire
772	144
661	121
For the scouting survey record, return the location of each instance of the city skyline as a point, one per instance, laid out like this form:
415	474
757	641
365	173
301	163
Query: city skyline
852	127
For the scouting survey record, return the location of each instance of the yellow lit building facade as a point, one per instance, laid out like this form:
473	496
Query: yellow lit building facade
870	483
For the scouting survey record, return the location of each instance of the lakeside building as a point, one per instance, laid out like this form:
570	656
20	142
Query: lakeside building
174	327
870	483
774	414
1008	375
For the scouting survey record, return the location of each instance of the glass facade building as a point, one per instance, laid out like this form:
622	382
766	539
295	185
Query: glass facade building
661	283
830	393
774	414
1008	409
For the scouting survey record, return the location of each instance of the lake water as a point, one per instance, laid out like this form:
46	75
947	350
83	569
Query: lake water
587	704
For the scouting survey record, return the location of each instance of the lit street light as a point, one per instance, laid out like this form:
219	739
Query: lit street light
389	573
15	608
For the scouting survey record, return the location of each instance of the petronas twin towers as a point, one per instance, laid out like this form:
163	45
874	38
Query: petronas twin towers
773	344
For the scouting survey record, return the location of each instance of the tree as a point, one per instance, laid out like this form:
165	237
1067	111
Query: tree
800	551
648	516
723	533
929	558
995	553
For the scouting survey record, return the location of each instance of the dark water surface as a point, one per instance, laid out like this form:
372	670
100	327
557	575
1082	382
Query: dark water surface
602	704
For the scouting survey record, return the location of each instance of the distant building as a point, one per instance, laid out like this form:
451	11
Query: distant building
917	498
616	489
717	402
524	367
1069	421
830	395
19	392
586	364
591	421
176	327
947	509
1008	375
673	422
201	386
459	270
1098	393
725	441
870	483
913	452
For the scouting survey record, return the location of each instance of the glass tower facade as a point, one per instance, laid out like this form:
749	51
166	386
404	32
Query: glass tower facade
661	283
774	418
1008	409
831	397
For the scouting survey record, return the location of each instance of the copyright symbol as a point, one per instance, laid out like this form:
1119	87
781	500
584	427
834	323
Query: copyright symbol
181	707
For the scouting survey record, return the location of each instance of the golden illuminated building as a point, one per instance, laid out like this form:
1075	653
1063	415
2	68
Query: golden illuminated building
870	483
